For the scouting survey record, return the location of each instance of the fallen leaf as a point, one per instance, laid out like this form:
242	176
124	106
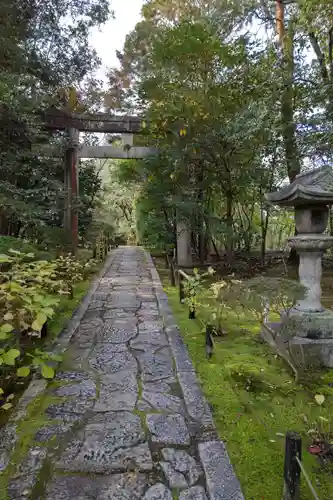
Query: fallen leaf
314	450
319	398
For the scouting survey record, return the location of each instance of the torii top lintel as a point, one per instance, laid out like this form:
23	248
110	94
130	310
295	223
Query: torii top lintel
99	122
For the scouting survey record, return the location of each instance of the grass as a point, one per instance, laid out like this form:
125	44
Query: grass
68	305
253	423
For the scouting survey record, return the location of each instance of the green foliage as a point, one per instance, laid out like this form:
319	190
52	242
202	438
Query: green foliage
190	63
42	53
29	296
69	271
26	306
193	286
254	297
101	247
8	243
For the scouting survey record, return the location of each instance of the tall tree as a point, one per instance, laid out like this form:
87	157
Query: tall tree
44	47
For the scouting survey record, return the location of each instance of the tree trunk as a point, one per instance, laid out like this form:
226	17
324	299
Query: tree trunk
264	227
215	248
202	246
287	107
229	225
201	219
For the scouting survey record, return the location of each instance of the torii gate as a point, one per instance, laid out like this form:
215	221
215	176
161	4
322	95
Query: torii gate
74	123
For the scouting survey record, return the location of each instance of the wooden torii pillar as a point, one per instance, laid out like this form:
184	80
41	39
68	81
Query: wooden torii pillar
71	177
71	100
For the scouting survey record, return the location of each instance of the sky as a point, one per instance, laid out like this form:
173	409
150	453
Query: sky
111	37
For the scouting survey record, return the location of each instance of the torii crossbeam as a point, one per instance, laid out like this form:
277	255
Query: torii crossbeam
56	119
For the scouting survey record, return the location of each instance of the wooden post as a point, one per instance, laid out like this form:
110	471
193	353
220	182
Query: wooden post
191	314
292	471
71	186
209	341
75	192
171	268
181	288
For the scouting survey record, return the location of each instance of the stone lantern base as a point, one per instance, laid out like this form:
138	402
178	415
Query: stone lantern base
310	336
318	325
314	333
314	350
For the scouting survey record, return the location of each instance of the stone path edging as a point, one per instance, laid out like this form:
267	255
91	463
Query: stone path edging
61	342
221	480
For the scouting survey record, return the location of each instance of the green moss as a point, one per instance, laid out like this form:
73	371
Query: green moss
253	420
26	430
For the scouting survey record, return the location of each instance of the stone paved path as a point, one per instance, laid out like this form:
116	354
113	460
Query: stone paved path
129	420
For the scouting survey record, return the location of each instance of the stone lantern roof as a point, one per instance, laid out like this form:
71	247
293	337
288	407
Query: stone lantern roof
309	188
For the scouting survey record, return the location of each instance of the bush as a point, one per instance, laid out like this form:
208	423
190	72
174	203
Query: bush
258	296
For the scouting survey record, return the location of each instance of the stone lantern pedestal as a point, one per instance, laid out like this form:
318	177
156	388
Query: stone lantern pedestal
309	325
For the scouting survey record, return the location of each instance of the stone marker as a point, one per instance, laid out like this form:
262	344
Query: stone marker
311	194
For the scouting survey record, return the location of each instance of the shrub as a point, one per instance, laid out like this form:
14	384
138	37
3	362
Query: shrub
193	287
254	296
29	296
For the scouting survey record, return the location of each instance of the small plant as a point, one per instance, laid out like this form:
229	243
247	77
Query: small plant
101	246
219	309
25	308
29	296
321	434
42	274
250	376
193	286
40	361
69	271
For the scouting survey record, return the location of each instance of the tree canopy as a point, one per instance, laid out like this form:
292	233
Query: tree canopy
44	50
238	98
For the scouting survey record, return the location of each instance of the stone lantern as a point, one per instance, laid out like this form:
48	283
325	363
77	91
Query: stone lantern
310	194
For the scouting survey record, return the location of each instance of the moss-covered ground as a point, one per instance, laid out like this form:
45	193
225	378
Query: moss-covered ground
255	401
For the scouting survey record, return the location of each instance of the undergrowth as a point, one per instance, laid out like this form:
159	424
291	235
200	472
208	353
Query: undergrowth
255	401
